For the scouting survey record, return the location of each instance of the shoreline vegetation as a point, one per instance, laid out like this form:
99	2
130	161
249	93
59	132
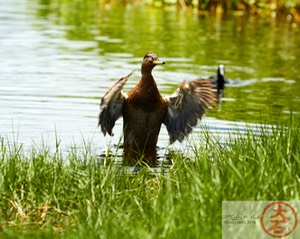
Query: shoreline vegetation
284	10
280	9
44	194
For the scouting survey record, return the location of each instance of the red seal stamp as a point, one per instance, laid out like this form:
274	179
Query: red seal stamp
279	219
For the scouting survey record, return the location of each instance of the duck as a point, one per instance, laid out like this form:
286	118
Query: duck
219	81
144	110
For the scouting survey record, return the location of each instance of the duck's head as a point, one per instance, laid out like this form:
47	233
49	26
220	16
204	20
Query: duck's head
221	80
150	60
221	70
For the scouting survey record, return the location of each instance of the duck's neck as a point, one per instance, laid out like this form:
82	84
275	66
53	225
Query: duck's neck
148	85
145	94
147	77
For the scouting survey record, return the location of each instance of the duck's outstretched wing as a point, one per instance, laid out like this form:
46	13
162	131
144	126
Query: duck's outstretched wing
111	105
188	103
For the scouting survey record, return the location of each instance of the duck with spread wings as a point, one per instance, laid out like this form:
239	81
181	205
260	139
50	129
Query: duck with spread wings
144	110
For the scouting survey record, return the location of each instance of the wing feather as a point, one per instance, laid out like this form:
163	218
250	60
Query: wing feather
188	103
111	105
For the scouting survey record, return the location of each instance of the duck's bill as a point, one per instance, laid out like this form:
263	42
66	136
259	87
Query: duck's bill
158	62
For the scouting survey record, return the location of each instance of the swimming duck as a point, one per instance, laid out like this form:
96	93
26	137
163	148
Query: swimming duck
144	110
219	80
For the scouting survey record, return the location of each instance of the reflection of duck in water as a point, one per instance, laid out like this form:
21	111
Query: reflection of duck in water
144	110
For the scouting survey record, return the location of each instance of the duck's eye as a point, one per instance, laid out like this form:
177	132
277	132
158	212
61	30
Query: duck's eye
149	58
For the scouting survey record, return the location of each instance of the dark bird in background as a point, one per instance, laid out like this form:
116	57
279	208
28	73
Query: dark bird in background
219	81
144	110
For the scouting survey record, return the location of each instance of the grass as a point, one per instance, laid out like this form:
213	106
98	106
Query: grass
48	195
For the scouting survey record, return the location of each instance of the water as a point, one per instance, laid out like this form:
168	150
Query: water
59	57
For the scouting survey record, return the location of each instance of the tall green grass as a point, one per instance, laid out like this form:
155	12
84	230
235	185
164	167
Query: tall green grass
48	195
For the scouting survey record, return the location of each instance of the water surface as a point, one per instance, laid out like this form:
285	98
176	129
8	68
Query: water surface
59	57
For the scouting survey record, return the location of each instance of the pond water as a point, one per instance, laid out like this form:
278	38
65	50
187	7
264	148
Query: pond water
58	58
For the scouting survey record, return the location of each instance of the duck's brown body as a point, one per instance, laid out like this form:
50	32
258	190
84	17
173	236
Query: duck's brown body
144	110
143	114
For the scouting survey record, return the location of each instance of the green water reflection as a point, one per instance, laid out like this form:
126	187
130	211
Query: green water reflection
261	56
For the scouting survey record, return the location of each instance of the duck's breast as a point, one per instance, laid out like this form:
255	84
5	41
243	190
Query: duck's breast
142	120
